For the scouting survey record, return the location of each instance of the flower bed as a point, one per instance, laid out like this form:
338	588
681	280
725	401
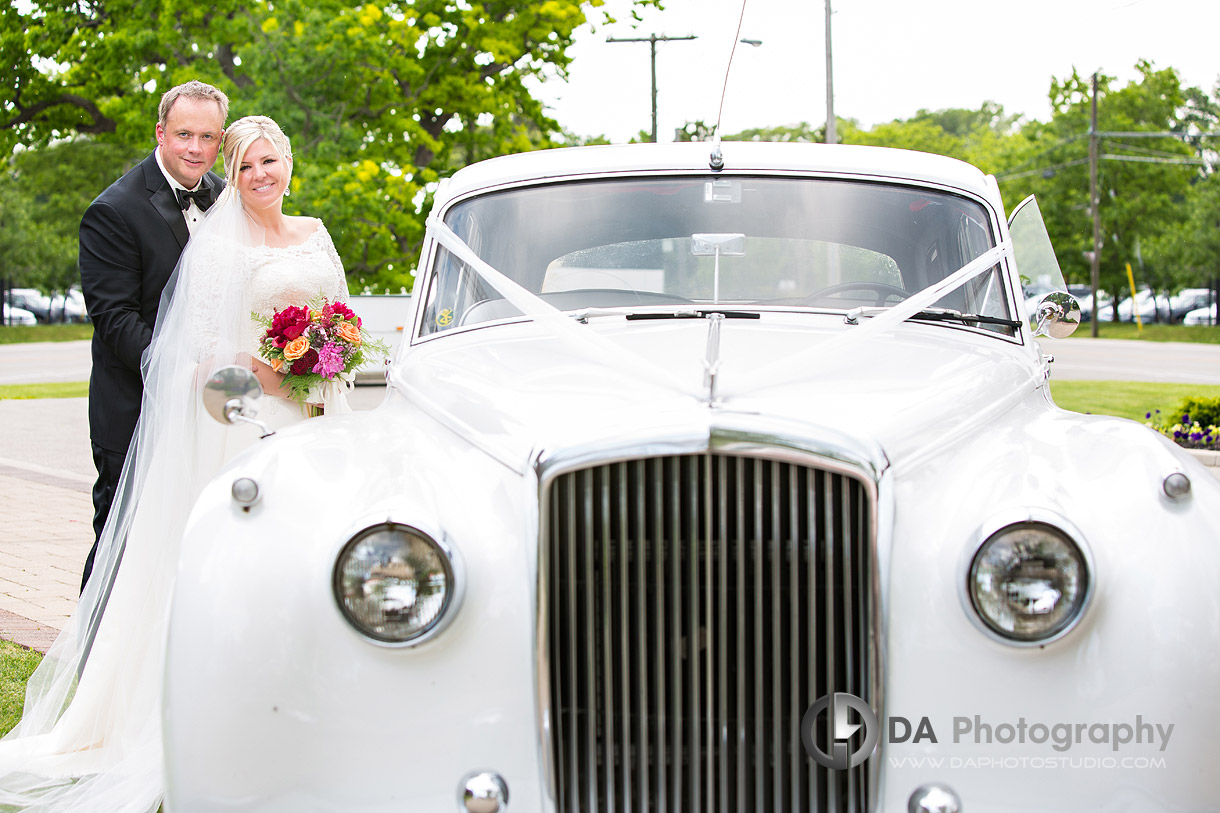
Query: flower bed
1188	433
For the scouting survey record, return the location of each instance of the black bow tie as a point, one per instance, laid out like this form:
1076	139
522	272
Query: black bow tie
202	196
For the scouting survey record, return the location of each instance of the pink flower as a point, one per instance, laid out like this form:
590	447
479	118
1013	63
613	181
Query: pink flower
330	360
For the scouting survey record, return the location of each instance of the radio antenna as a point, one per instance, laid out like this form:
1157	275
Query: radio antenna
716	161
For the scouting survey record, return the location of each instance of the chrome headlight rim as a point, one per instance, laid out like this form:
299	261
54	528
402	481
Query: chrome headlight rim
1018	518
455	572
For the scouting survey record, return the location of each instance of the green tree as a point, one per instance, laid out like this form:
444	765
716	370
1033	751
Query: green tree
981	137
1142	182
801	132
381	100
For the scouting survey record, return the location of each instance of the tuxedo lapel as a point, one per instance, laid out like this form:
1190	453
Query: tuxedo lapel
162	198
215	183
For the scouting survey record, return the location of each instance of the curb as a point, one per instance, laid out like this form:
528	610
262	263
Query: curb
1208	457
22	631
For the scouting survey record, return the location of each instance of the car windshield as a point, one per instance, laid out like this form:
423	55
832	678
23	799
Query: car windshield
758	243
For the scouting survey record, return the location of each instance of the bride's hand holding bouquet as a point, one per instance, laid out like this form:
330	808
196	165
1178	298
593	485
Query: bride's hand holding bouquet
314	346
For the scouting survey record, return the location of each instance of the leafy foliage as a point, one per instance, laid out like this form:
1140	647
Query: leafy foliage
381	99
1204	410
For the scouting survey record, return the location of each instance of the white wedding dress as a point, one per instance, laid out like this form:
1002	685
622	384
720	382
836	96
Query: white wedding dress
90	735
279	278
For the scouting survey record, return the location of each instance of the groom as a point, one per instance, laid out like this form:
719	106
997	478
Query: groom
130	239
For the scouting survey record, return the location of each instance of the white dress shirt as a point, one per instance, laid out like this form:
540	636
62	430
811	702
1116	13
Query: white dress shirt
192	214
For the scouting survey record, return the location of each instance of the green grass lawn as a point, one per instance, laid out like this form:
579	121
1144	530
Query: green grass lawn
16	665
16	334
52	389
1125	399
1152	332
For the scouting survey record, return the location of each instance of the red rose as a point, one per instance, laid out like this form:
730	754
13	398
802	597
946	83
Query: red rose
288	324
305	363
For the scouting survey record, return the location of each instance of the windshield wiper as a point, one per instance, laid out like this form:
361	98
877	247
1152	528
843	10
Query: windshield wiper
938	315
693	313
585	314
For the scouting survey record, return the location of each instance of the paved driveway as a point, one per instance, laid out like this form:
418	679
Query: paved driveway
1087	359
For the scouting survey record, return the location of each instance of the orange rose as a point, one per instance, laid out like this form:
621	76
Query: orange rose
278	365
348	332
296	348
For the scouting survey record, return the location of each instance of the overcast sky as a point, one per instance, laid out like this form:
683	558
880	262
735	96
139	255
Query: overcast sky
891	58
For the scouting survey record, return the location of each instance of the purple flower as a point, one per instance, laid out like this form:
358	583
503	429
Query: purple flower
330	360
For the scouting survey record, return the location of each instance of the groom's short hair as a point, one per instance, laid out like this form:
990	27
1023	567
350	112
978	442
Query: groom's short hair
193	89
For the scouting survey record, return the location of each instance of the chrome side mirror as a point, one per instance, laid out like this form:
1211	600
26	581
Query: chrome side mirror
1058	315
231	396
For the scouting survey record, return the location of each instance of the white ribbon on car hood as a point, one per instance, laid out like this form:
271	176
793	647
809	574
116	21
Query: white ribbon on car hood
604	351
599	348
779	370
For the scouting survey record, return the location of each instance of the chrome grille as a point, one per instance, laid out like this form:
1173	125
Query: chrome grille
693	607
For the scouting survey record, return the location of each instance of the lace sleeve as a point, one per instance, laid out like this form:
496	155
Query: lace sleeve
332	254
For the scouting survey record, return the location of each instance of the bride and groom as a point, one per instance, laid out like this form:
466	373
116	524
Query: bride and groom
174	261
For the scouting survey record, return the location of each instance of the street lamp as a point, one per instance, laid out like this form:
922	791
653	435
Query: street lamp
652	40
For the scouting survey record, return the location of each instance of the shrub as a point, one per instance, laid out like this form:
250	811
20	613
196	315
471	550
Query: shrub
1204	411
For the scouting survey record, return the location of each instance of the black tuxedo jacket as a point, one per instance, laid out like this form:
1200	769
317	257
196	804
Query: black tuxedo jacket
130	239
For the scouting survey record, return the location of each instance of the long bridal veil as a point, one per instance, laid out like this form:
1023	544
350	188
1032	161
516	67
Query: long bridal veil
90	734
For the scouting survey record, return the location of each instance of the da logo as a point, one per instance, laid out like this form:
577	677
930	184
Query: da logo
444	318
838	708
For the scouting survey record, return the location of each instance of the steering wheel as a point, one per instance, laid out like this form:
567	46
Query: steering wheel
882	290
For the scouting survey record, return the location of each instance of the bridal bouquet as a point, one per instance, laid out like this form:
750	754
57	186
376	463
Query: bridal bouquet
315	344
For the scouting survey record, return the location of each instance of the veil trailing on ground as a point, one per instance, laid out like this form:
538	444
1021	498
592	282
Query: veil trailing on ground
90	735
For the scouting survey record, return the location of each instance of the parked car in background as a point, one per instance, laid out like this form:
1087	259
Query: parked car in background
14	315
69	307
31	300
1159	308
1187	300
1084	297
1145	304
65	307
1202	316
699	473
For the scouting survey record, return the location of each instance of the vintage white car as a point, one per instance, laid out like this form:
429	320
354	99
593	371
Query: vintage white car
708	478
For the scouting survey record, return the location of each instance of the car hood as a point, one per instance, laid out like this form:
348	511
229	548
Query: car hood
518	391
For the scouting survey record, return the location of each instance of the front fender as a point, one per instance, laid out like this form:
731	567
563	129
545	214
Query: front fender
273	701
1144	653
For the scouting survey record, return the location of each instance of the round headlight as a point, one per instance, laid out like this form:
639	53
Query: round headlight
1029	582
394	583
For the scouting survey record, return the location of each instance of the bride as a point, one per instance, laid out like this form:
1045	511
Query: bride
90	735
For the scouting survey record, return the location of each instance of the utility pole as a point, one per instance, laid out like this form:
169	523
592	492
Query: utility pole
831	135
1095	209
652	40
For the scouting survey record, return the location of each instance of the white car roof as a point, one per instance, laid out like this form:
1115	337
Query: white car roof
739	156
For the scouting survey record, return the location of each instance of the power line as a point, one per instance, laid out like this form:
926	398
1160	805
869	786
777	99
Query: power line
652	40
1008	176
1152	159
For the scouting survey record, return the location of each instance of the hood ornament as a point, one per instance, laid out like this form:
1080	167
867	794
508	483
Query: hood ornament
711	360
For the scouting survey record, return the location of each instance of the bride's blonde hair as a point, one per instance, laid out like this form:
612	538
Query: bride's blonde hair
244	132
